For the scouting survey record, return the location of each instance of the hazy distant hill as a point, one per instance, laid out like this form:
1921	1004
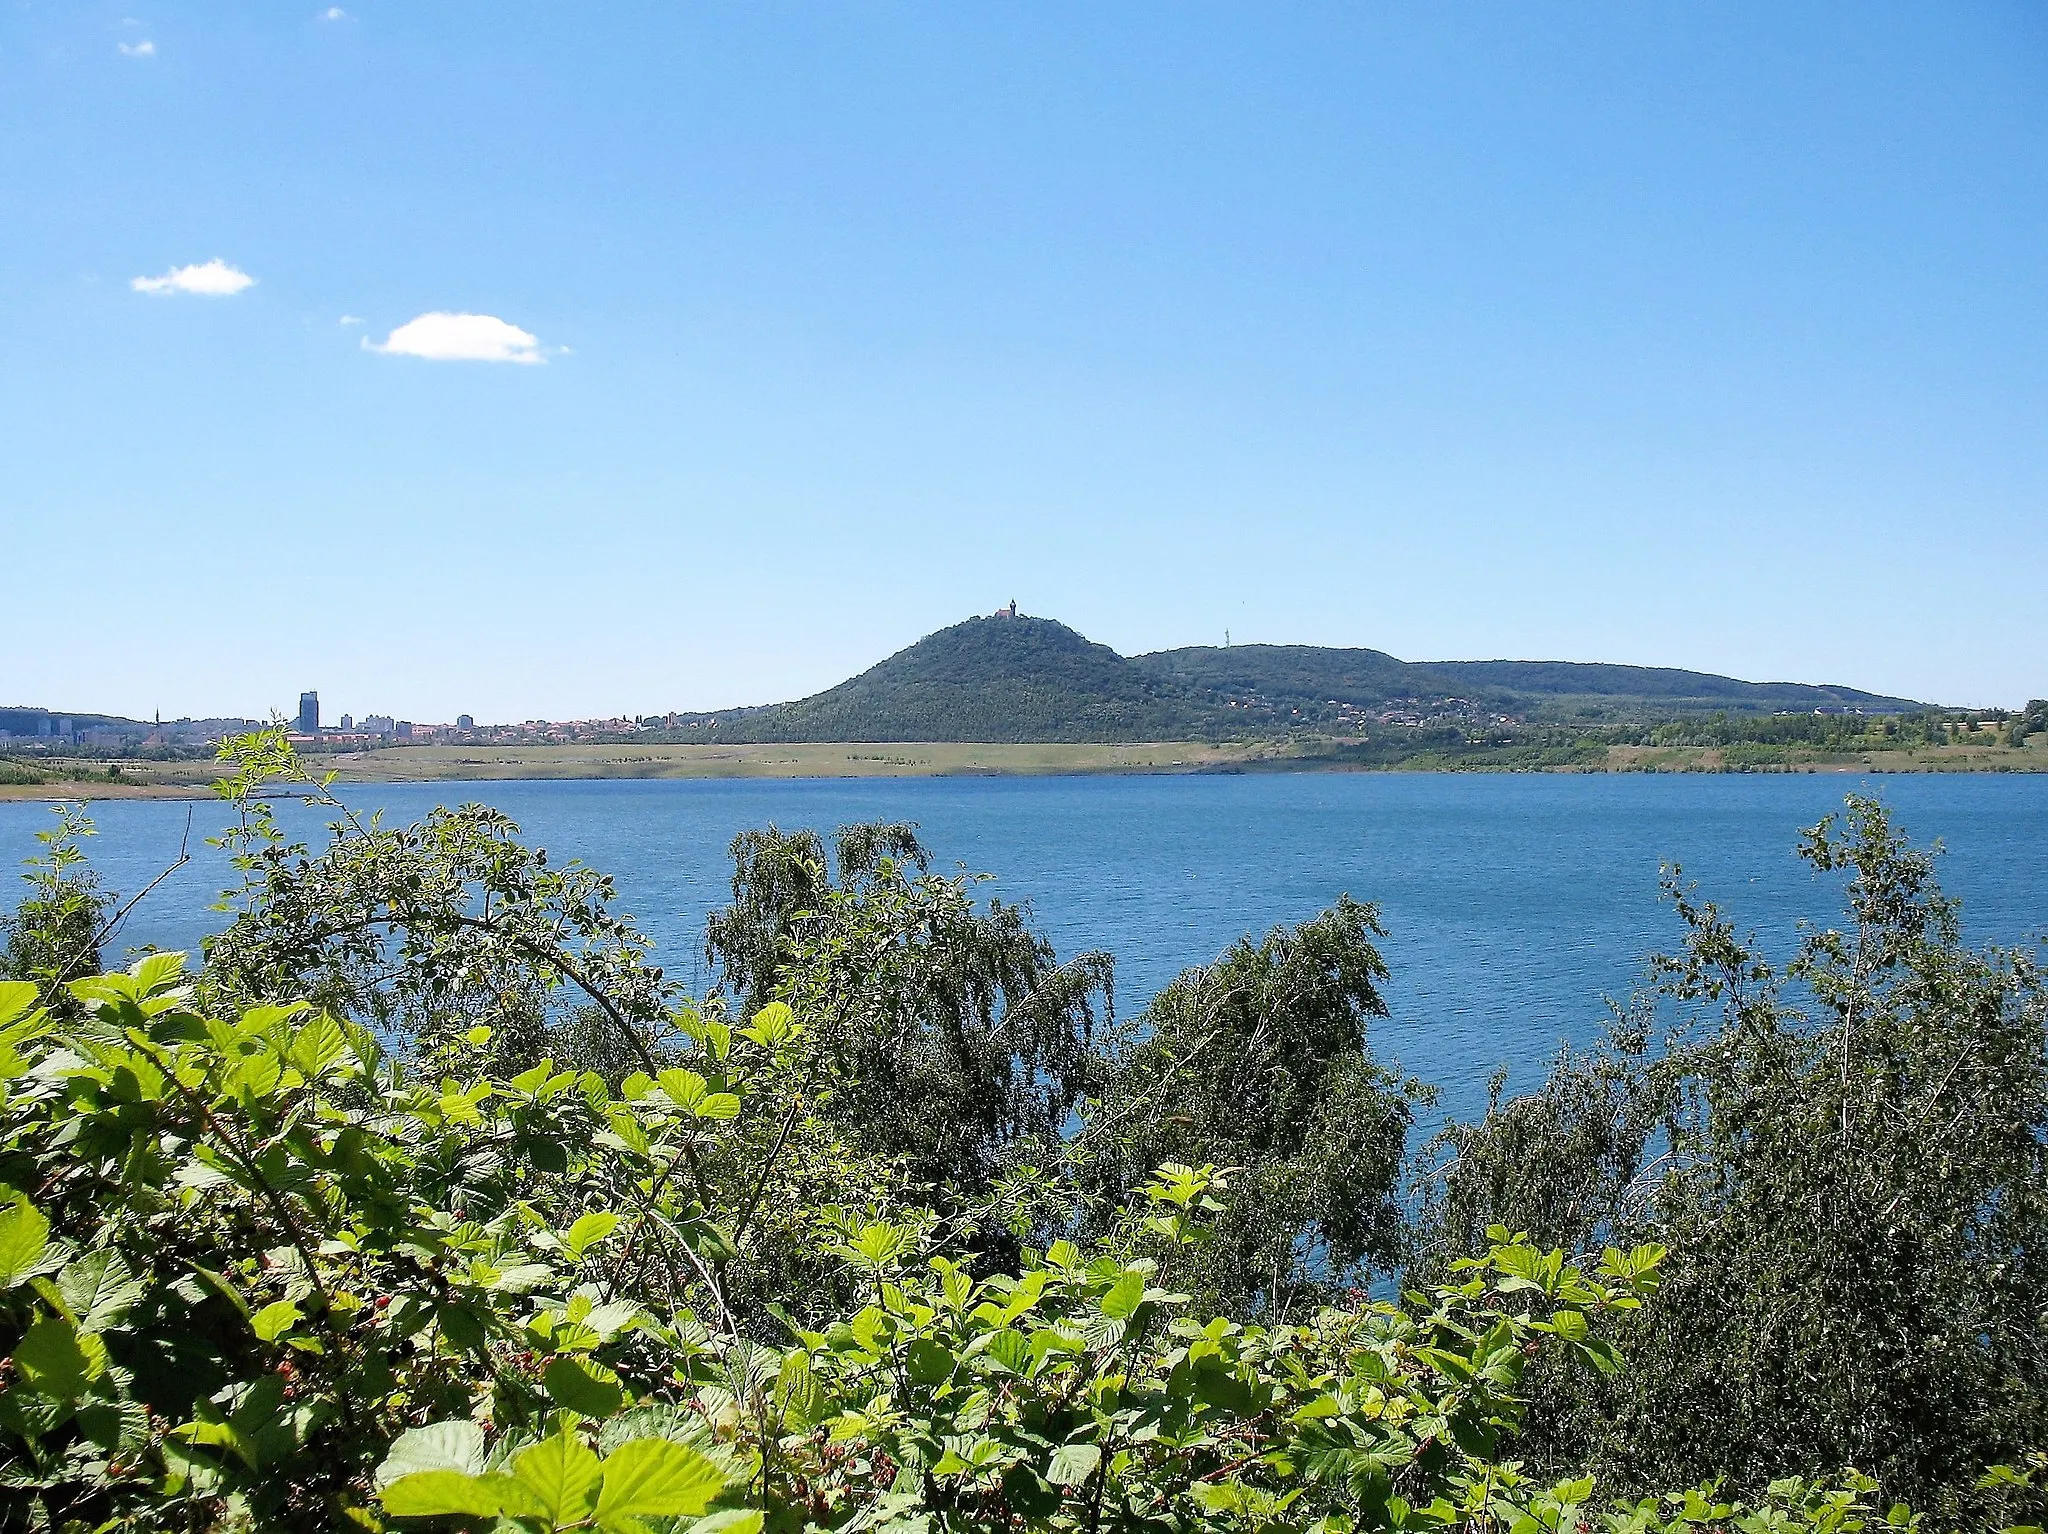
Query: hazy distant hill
1032	679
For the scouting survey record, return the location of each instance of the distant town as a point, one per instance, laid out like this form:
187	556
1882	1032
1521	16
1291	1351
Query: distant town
38	731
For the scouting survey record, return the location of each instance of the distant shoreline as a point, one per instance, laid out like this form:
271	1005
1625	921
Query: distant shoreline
844	760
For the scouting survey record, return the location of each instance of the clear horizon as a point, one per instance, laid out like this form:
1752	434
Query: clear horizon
534	364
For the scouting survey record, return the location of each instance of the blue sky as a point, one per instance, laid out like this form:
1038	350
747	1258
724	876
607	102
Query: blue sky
1712	336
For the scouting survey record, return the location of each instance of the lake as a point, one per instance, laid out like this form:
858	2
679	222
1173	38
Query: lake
1514	903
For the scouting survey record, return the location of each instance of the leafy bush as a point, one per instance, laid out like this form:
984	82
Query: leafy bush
258	1249
269	1279
951	1037
1260	1062
54	935
1847	1154
426	932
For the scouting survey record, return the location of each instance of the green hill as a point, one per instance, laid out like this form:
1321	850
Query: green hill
1014	679
1308	676
991	679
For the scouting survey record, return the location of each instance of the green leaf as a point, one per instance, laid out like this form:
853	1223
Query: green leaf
588	1230
930	1361
1570	1325
718	1106
579	1386
1124	1297
274	1320
729	1520
1012	1350
1048	1340
1601	1354
609	1319
772	1024
99	1289
655	1478
440	1493
16	998
456	1445
463	1325
316	1046
878	1243
685	1089
157	971
563	1476
56	1359
626	1134
1217	1496
1073	1463
520	1278
273	1021
24	1243
1573	1493
220	1286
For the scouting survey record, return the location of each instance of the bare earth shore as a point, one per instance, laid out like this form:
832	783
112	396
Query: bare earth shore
155	780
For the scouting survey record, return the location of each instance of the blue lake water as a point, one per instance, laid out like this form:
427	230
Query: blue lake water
1514	903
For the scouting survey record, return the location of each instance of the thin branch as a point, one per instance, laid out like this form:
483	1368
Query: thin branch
618	1273
710	1283
568	966
107	930
1165	1080
796	1103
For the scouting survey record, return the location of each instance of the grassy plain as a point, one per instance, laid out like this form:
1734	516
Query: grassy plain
433	764
76	780
830	760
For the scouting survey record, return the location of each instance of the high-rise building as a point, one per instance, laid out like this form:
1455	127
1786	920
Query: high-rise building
464	722
309	713
347	723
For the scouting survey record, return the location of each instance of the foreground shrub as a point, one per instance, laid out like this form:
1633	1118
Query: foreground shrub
1847	1153
241	1256
256	1274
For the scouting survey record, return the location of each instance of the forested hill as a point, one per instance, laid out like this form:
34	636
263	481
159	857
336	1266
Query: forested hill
1001	679
1032	679
1307	675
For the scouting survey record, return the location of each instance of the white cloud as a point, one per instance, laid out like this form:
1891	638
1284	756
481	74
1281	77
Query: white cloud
335	13
350	319
142	50
210	279
444	337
